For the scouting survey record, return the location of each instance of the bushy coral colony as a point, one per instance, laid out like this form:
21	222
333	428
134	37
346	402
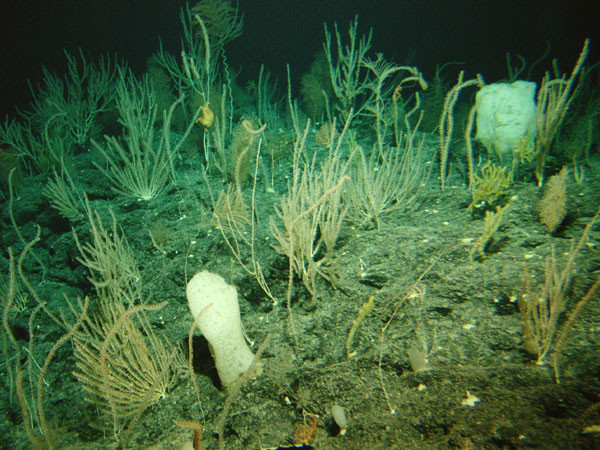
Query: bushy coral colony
391	260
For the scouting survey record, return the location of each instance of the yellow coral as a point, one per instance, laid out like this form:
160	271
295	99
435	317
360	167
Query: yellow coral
490	184
207	118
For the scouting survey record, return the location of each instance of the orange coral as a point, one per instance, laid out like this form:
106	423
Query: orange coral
305	433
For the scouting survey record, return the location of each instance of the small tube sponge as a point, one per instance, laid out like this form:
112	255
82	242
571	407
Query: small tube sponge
209	295
339	417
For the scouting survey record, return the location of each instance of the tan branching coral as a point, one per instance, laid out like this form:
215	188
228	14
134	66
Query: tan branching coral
325	135
223	23
553	206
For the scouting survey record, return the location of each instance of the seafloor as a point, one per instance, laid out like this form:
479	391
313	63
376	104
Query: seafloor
428	292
